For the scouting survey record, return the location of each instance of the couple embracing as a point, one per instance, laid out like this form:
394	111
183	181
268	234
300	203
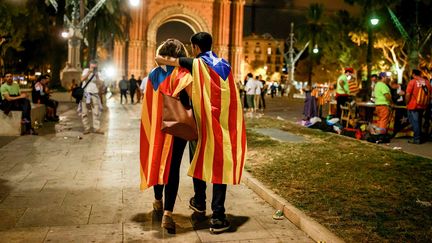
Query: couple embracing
218	155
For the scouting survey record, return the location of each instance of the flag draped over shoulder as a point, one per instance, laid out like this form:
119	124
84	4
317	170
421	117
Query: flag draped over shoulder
156	146
220	152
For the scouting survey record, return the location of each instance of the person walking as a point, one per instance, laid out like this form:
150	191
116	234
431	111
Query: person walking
161	153
258	89
219	154
123	86
417	96
262	104
138	89
250	89
132	87
93	83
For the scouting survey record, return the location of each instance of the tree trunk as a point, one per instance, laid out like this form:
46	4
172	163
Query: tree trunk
59	45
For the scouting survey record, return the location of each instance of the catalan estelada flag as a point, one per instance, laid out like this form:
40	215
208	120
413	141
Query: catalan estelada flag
221	147
155	145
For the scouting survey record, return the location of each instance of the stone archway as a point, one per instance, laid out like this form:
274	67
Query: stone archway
178	13
222	18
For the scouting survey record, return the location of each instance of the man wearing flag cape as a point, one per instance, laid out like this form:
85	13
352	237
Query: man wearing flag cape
219	154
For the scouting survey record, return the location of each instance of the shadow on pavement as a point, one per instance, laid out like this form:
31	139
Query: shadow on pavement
152	222
4	140
4	189
200	221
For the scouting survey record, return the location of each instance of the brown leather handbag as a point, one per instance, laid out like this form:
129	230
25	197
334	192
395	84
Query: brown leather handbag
177	119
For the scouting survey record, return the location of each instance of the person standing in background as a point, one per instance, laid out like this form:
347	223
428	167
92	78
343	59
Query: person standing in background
91	100
123	86
132	88
418	95
138	90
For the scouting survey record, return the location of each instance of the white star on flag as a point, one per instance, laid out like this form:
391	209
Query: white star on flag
215	60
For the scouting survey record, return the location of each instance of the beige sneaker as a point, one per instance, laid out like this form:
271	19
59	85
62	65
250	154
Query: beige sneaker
169	224
157	206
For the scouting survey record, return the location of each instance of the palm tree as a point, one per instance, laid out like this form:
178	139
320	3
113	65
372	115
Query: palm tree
315	26
106	25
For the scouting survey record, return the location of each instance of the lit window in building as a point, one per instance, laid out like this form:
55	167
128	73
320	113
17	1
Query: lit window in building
269	50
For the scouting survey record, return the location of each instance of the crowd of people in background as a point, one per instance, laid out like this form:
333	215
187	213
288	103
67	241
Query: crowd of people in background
253	91
133	87
388	104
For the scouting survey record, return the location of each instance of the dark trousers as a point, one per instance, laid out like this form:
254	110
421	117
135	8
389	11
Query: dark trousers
171	188
340	100
427	120
200	186
218	200
262	101
132	94
415	117
23	105
123	92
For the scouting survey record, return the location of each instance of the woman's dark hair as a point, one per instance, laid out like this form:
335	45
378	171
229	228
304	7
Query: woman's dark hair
203	40
172	48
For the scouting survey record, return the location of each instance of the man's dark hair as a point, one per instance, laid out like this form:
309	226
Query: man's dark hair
93	61
203	40
416	72
172	48
374	76
6	73
250	75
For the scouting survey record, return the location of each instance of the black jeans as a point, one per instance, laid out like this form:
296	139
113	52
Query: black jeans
132	94
171	188
218	200
340	100
123	92
200	186
23	105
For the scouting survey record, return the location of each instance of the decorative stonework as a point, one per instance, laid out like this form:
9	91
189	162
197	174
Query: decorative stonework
221	18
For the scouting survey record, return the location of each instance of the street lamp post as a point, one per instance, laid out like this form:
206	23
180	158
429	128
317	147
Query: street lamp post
75	26
373	22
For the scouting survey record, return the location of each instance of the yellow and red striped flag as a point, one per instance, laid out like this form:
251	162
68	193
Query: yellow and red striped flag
221	147
155	145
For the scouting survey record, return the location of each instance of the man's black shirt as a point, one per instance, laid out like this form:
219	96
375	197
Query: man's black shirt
187	63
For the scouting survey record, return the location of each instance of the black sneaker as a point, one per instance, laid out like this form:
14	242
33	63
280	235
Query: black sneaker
196	207
219	225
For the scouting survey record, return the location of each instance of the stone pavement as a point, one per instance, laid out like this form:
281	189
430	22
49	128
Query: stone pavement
62	186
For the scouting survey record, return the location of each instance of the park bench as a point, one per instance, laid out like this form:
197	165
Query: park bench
10	125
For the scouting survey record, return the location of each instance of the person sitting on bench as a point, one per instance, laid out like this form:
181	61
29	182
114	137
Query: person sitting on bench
14	100
41	95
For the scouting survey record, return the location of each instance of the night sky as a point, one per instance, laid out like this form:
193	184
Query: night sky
271	16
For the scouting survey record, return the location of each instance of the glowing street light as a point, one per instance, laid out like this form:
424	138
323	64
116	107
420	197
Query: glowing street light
134	3
374	21
65	34
315	49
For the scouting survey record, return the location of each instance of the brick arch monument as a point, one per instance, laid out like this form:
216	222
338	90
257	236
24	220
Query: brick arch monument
222	18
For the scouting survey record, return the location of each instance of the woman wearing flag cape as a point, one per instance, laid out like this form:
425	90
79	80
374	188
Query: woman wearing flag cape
161	153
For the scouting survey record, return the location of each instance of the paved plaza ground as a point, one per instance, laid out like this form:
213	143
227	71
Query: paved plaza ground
62	186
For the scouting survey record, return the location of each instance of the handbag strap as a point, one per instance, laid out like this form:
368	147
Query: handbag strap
91	78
